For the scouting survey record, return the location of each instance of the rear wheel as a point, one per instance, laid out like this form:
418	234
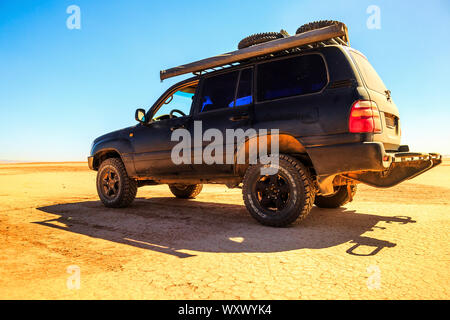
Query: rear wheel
186	191
280	199
340	197
114	187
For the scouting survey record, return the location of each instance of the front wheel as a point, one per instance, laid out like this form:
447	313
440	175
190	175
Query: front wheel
114	187
280	199
340	197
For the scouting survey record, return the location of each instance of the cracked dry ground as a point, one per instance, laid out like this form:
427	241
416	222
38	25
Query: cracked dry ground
386	244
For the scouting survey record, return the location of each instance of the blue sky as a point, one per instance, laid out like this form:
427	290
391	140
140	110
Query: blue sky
61	88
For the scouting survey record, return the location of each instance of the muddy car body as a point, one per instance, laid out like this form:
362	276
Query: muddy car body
338	126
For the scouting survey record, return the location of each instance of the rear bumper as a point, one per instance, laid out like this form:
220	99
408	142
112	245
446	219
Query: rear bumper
369	163
349	157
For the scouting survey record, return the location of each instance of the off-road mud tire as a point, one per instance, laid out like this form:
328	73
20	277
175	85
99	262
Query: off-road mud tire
316	25
338	199
186	192
258	38
127	187
301	193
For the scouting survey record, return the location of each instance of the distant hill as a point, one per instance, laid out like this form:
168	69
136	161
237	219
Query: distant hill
38	162
13	161
9	161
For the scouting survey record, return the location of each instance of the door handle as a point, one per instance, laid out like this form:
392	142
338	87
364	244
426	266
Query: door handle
241	117
181	126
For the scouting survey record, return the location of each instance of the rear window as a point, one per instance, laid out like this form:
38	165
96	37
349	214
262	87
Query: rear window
370	76
291	77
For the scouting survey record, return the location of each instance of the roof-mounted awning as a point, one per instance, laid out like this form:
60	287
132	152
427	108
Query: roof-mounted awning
337	34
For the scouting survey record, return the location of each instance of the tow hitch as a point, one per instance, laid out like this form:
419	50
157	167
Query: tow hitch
404	166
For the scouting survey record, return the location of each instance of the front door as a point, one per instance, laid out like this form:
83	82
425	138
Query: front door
152	141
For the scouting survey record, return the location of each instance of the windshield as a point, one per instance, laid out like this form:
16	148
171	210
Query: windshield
370	76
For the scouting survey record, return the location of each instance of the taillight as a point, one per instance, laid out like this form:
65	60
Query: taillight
364	117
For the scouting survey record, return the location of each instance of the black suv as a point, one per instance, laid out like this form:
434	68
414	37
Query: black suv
338	126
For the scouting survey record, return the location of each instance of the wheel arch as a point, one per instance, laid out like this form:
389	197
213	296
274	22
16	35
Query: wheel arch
104	154
114	148
287	144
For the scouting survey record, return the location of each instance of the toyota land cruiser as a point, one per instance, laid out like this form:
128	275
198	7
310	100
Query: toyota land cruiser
338	126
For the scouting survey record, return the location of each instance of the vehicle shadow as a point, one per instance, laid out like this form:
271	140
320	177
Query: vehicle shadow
169	225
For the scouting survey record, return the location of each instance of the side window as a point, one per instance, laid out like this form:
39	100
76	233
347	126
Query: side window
371	77
218	91
290	77
244	93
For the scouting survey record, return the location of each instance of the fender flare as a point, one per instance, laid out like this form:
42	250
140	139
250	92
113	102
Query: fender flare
115	147
287	144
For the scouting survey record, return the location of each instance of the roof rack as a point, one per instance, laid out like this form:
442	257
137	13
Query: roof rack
336	34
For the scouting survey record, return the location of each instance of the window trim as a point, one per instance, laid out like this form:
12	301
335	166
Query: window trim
251	86
257	101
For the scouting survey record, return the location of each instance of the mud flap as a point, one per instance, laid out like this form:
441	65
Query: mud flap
405	165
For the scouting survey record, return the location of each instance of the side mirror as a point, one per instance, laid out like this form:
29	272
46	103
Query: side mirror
140	115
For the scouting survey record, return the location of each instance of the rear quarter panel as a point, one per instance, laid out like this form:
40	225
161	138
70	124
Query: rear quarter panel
390	135
311	117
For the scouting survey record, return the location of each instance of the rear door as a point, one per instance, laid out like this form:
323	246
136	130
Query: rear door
390	135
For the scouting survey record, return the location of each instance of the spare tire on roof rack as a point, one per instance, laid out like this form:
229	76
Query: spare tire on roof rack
258	38
320	24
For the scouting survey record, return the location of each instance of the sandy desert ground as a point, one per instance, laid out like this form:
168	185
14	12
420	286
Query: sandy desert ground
386	244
